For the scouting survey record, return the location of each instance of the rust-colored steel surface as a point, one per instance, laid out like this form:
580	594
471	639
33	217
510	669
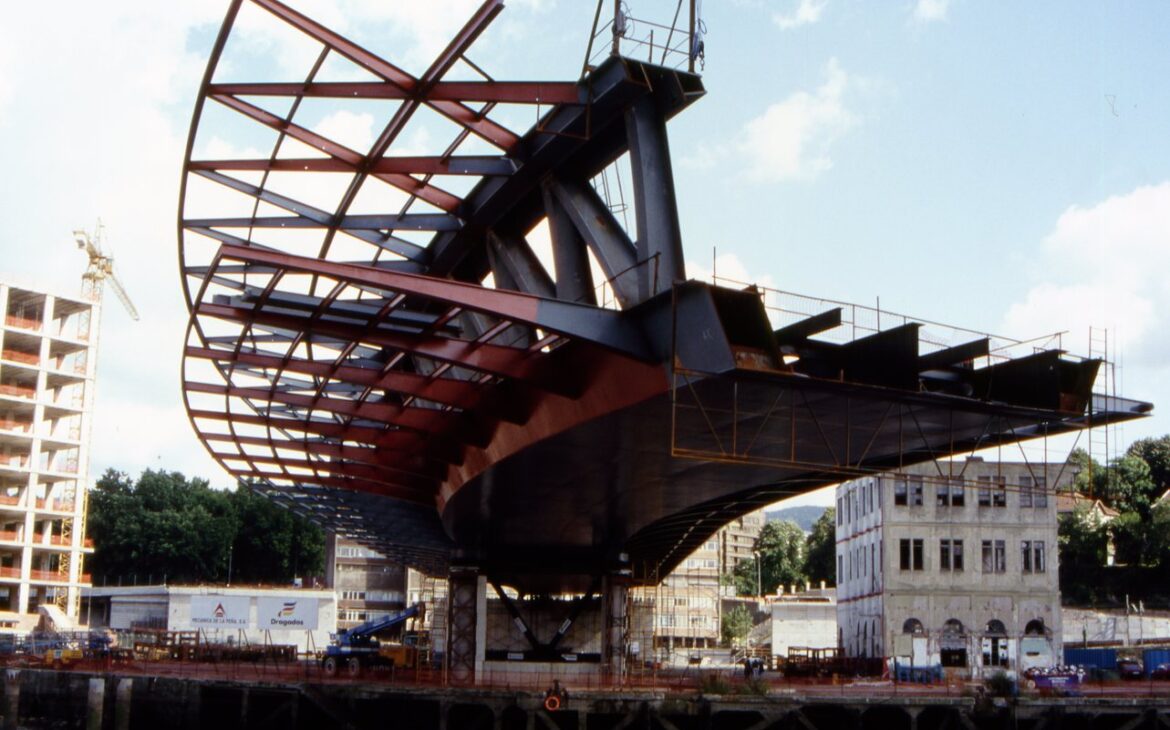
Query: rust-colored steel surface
374	342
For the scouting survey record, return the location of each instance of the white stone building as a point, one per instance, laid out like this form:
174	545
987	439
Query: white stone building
951	563
46	397
804	619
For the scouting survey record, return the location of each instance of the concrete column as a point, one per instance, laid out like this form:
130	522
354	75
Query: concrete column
95	703
122	700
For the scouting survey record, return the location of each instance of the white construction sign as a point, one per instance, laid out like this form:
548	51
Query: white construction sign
230	612
286	612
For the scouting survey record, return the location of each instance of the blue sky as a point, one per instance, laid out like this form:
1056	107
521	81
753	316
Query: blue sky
997	166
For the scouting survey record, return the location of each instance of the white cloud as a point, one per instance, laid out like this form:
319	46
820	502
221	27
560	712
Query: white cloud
726	270
1104	266
806	12
792	138
355	131
930	11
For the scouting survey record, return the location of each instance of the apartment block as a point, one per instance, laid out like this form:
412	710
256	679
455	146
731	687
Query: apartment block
951	564
368	585
47	365
685	606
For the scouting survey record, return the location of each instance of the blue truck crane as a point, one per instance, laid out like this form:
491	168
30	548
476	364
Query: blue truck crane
358	649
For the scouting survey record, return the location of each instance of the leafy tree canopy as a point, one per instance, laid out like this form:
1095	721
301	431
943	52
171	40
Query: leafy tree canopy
163	526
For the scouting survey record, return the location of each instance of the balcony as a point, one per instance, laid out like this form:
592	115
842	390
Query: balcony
15	425
23	323
18	391
24	358
42	576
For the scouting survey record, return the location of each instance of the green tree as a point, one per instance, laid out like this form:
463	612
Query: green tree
821	549
780	550
272	544
735	625
1156	453
163	526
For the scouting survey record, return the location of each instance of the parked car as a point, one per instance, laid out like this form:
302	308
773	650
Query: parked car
1130	669
1162	671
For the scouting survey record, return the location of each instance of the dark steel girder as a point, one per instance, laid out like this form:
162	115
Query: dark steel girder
573	320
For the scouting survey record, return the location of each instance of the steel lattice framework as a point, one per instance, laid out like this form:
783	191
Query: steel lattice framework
389	356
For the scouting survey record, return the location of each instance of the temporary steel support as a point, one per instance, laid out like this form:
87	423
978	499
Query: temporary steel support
466	615
659	236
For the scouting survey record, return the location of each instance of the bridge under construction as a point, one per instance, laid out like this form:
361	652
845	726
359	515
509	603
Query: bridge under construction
392	358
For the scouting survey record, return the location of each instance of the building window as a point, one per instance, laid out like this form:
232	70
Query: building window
994	556
1032	554
958	496
910	554
900	491
1040	493
840	513
950	555
1025	491
992	491
840	568
950	493
999	492
915	491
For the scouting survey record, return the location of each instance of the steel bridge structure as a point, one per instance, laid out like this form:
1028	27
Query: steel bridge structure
375	342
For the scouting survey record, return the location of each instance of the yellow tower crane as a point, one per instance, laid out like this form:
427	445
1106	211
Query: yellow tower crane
99	271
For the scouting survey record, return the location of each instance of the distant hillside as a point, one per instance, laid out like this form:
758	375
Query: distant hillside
804	516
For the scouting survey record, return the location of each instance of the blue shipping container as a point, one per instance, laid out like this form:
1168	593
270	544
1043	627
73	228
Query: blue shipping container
1153	657
1100	658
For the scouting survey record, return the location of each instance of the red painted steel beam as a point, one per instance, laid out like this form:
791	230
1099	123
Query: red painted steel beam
397	462
500	360
432	194
459	393
425	420
573	321
295	131
340	44
500	92
423	488
440	449
350	483
485	165
435	196
478	123
514	306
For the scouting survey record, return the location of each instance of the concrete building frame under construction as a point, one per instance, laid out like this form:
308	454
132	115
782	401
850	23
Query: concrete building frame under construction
374	342
47	365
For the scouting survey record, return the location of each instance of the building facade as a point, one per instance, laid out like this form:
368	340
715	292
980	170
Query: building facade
47	366
368	585
686	605
951	564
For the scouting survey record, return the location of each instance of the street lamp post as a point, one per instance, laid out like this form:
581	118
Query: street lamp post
759	575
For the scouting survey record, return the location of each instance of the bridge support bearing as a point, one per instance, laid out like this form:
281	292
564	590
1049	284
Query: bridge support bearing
467	624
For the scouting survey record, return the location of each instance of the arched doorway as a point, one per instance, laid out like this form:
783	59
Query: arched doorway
995	644
952	644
